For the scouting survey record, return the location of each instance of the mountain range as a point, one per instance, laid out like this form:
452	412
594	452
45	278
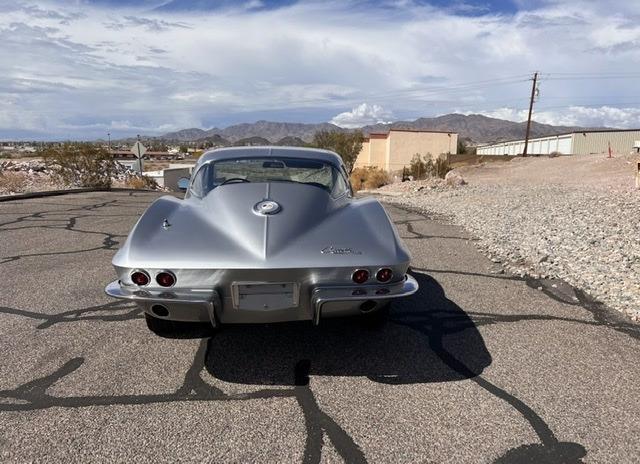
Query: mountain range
475	128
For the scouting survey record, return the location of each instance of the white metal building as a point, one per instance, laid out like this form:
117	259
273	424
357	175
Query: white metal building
573	143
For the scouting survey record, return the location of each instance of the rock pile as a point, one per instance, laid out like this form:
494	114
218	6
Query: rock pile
36	175
431	183
29	167
588	237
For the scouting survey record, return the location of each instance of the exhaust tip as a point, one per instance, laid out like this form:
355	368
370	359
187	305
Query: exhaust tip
159	310
368	305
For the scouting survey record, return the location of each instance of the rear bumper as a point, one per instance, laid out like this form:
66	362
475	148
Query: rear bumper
325	301
200	306
334	299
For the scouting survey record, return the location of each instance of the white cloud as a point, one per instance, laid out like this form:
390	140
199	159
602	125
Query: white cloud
68	68
603	116
362	115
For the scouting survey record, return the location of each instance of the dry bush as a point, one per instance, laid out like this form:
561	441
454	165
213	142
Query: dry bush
345	144
11	181
81	165
441	167
424	167
141	183
368	178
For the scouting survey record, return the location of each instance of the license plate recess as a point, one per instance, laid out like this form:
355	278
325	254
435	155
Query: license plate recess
264	296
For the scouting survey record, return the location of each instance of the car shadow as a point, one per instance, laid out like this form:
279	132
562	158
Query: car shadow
407	349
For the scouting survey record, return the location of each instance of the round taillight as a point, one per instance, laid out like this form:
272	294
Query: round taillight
140	278
384	274
360	276
165	279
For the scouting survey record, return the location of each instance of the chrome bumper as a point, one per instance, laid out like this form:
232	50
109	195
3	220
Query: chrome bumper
325	295
147	298
321	297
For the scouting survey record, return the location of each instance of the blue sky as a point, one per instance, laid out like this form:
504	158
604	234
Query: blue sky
80	69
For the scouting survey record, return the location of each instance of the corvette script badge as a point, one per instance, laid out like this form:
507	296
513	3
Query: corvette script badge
331	250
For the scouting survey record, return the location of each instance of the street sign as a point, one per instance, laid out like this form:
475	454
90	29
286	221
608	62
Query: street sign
138	149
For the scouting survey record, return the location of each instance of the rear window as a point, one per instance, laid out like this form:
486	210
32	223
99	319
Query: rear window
314	173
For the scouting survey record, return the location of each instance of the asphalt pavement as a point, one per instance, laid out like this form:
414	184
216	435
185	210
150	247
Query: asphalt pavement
478	366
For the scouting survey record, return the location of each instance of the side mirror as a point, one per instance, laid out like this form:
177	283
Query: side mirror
183	184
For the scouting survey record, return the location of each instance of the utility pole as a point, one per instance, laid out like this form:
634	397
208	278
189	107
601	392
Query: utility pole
109	136
533	95
139	154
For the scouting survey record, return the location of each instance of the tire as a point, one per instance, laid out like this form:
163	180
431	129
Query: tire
377	318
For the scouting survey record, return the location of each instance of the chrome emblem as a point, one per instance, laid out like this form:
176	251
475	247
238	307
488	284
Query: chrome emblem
331	250
266	207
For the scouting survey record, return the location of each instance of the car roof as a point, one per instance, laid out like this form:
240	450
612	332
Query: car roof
268	152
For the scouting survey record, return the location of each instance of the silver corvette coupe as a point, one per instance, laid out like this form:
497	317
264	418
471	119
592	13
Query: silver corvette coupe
264	234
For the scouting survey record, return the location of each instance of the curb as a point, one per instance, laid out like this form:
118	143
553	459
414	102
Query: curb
53	193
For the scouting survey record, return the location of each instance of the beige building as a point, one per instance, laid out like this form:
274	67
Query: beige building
394	150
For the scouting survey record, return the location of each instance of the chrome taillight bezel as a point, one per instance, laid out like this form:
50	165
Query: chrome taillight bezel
383	269
353	276
144	273
171	274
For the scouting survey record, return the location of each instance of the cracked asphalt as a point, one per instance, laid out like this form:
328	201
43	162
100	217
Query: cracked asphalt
478	366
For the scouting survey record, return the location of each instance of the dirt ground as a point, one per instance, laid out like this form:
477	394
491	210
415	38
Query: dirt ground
597	170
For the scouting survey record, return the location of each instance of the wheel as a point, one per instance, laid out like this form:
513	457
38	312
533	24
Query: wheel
378	317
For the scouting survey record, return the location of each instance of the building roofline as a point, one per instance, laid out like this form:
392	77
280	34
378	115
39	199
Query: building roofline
386	134
600	130
425	131
586	131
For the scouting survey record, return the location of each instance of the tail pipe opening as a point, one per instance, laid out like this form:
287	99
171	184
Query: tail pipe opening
368	306
160	310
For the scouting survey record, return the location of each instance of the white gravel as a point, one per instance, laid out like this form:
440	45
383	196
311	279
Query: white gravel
588	236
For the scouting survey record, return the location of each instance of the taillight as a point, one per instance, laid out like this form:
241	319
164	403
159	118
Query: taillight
384	275
165	279
140	278
360	276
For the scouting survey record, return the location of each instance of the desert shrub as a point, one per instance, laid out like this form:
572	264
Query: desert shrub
422	167
554	154
464	147
441	167
346	144
141	183
418	166
81	165
11	181
368	178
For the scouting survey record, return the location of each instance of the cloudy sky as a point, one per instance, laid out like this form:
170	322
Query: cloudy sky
80	69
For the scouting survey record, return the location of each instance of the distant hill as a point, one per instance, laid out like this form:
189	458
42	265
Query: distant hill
252	141
474	127
275	130
185	135
215	140
290	141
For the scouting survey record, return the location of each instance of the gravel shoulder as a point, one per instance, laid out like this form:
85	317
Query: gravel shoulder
576	219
